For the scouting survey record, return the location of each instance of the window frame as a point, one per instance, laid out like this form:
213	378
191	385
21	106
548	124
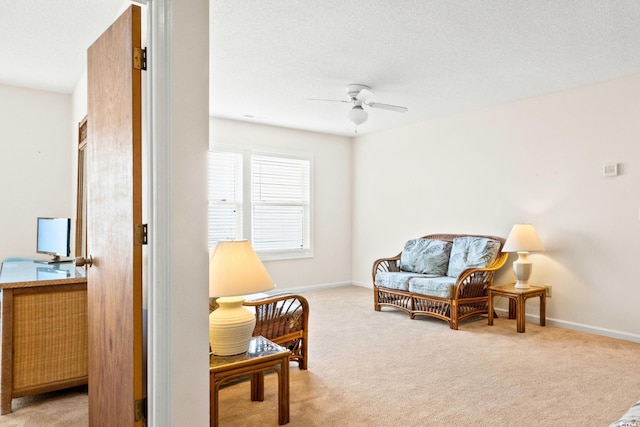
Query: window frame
246	229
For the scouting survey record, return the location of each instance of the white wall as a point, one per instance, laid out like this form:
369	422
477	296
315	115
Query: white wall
538	160
36	166
187	95
332	199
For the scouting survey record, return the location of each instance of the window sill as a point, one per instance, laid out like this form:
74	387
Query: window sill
284	255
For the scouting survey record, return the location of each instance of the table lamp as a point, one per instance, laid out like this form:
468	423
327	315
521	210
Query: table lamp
234	270
522	239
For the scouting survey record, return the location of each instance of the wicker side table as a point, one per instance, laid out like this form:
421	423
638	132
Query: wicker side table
263	355
519	297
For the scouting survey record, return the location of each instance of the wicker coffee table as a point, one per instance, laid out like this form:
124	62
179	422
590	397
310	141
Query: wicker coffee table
263	355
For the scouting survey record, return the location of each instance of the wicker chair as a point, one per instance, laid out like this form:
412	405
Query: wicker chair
469	298
284	319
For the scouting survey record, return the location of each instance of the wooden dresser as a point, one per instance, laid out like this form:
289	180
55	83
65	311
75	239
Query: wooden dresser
44	328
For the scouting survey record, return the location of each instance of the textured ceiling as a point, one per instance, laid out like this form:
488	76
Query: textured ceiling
43	43
437	57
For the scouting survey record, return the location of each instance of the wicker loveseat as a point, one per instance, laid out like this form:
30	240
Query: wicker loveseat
439	275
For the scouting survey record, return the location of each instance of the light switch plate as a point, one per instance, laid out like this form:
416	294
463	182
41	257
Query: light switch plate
611	169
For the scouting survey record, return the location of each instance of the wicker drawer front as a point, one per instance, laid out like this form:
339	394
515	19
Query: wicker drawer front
49	337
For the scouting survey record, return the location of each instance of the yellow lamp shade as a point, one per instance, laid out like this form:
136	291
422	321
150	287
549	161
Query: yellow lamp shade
235	269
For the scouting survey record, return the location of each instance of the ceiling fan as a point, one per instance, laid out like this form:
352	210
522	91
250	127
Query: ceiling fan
359	95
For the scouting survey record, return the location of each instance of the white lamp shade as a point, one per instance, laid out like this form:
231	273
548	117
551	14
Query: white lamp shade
357	115
523	238
235	269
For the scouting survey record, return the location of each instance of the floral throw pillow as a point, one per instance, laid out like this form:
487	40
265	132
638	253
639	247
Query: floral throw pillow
471	252
425	256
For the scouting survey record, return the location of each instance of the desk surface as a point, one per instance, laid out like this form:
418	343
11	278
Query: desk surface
18	274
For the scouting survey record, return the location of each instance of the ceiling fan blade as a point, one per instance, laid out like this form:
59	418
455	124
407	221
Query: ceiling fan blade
388	107
364	94
332	100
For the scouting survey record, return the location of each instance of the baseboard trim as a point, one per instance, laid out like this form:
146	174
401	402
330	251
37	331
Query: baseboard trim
564	324
611	333
311	288
363	285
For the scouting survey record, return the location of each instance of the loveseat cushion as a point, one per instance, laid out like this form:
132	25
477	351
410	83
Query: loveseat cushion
442	286
396	279
471	252
426	256
630	418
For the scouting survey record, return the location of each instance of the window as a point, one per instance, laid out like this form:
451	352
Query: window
276	216
225	196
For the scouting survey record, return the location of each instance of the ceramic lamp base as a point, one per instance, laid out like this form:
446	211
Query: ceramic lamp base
230	327
522	269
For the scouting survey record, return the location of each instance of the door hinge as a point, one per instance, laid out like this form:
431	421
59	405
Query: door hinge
140	234
140	409
140	58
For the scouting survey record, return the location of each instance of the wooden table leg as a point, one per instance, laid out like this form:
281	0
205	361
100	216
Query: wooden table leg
283	392
513	309
213	401
543	308
490	308
520	313
257	386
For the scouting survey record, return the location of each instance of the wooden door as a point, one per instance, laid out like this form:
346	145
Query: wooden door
114	209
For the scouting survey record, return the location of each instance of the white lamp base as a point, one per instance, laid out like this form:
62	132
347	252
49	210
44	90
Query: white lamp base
230	327
522	268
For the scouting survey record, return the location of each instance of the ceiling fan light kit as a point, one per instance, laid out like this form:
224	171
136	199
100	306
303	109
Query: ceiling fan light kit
358	95
357	115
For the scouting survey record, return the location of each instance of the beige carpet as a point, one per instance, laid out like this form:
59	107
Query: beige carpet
383	369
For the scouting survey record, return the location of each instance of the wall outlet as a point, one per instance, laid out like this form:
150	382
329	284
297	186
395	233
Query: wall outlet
548	290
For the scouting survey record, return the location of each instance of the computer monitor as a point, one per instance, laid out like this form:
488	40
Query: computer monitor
54	238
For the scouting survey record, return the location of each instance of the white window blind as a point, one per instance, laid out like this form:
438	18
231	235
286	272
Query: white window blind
225	196
276	211
280	190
